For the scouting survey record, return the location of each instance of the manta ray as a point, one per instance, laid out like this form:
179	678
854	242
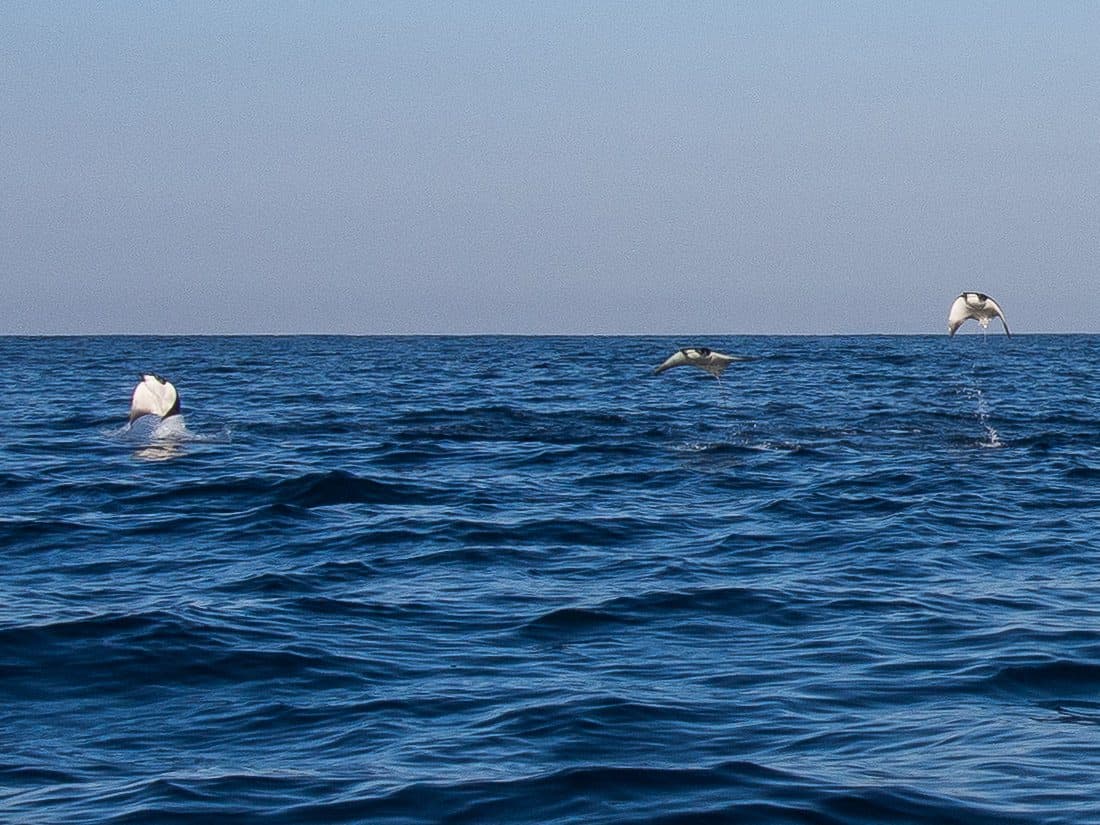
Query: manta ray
974	305
705	359
154	396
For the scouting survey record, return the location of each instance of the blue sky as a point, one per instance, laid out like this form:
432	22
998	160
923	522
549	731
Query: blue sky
602	167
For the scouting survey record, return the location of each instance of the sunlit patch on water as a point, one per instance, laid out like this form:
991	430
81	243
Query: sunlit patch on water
162	451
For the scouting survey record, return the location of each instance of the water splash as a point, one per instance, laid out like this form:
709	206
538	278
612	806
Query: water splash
173	428
164	439
992	438
726	399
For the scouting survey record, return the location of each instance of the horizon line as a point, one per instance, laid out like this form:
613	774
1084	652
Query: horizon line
975	333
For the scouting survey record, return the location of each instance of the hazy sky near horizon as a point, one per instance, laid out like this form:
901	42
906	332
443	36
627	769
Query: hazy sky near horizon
546	167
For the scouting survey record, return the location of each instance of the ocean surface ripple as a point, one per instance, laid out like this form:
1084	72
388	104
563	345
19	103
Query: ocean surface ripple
524	580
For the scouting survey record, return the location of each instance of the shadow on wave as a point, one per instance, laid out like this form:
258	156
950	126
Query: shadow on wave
550	532
734	791
340	487
502	423
1060	678
123	652
311	580
313	489
608	717
665	605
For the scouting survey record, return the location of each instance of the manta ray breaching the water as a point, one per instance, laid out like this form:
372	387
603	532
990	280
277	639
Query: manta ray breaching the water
154	396
713	362
974	305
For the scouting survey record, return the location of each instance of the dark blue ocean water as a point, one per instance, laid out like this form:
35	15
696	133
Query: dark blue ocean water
523	580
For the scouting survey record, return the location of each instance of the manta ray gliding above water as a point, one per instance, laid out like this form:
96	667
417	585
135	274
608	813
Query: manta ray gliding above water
705	359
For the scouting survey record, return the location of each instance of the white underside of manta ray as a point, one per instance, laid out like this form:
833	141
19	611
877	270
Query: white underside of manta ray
705	359
974	305
154	396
